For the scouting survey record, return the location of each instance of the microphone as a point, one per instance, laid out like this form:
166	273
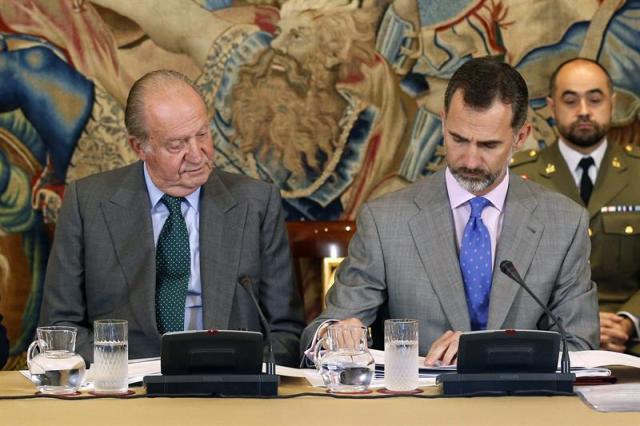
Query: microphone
246	282
507	267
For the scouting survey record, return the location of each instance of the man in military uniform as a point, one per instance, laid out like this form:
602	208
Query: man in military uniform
605	178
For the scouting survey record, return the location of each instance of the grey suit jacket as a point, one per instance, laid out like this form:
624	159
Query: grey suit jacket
102	264
403	263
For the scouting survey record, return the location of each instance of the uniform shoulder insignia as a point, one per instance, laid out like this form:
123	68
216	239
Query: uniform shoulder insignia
524	157
631	150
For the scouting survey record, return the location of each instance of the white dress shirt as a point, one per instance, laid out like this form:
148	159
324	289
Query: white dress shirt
573	157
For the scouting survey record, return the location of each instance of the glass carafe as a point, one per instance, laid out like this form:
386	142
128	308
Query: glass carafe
346	366
54	366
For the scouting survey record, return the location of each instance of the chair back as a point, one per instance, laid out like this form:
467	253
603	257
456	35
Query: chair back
317	248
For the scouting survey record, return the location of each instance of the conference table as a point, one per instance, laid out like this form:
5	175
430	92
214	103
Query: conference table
289	408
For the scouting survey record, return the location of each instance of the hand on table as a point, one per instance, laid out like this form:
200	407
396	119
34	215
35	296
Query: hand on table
444	351
615	331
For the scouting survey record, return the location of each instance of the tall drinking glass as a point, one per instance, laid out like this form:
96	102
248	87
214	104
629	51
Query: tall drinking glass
401	355
110	356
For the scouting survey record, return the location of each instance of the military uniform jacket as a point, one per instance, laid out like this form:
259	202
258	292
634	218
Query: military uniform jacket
614	218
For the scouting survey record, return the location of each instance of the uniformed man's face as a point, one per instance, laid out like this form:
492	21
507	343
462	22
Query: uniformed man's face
480	143
582	104
179	150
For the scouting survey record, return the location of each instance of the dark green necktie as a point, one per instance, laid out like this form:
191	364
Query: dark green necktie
173	268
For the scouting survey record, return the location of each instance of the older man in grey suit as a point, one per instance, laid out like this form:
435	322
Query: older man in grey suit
430	251
162	243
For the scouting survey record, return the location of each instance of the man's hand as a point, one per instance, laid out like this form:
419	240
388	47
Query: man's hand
355	322
615	331
350	338
444	351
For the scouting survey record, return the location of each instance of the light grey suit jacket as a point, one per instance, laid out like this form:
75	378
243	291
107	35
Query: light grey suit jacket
102	264
403	263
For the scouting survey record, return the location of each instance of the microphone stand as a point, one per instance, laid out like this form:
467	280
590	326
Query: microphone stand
246	282
507	267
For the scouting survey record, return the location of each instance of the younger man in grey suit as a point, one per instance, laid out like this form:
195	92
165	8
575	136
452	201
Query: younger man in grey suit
162	243
430	251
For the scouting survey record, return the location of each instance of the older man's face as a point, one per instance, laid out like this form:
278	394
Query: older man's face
179	150
480	143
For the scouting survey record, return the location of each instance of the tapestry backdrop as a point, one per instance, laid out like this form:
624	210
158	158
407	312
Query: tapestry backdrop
335	101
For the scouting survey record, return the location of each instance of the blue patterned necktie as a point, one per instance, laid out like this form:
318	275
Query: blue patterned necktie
475	264
173	268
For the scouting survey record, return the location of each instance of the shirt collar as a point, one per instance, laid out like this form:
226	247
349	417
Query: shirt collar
155	194
458	195
573	157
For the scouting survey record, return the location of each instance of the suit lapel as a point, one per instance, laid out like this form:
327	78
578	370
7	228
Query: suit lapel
128	218
434	236
612	178
518	242
222	222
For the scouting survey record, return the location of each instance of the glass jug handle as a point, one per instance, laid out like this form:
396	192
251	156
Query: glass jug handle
30	352
316	352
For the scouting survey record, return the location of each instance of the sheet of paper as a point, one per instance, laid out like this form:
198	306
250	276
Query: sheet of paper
591	359
288	371
623	397
138	368
590	372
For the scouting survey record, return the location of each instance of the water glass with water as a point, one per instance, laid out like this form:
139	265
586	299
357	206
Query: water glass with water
401	355
54	366
110	356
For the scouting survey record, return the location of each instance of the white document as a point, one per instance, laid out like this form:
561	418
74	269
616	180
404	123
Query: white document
138	368
590	359
623	397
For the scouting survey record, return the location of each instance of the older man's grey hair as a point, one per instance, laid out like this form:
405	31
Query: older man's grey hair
152	82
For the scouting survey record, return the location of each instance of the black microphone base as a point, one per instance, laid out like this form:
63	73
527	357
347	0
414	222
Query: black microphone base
212	385
506	383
